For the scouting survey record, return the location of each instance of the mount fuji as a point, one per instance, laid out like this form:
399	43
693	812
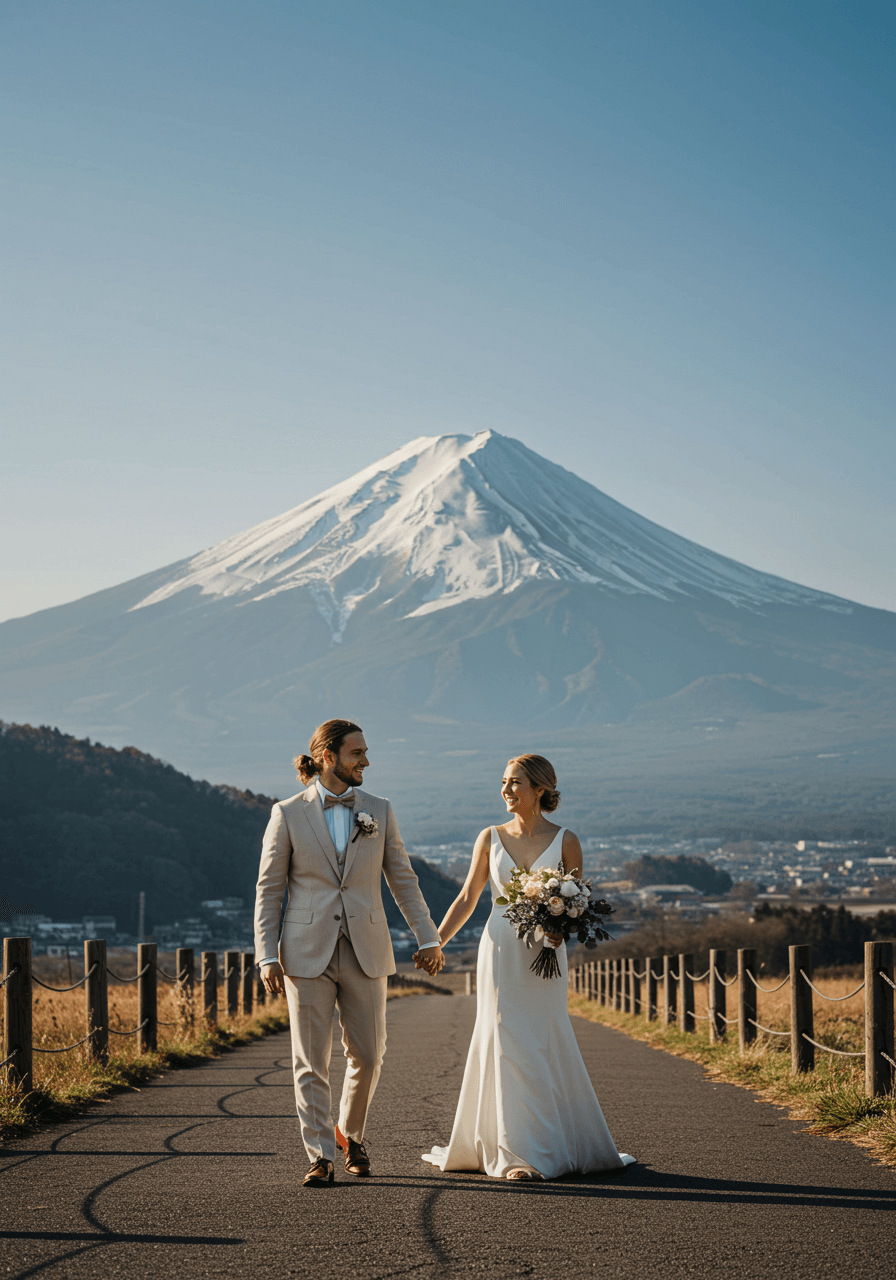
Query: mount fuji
461	591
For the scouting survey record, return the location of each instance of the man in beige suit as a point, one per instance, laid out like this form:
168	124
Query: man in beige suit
329	846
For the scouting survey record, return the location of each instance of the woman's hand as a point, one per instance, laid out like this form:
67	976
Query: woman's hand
553	939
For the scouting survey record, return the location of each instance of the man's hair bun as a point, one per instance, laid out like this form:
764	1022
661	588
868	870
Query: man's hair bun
306	768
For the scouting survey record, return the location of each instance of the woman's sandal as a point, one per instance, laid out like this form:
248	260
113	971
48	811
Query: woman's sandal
523	1175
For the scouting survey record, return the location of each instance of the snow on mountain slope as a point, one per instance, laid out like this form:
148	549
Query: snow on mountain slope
461	518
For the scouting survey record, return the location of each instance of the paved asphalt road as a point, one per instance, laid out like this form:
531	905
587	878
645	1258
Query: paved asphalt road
198	1175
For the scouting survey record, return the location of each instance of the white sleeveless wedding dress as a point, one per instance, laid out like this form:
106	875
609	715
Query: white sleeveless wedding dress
526	1101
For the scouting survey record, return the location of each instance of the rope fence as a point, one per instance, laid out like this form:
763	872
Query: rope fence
79	983
12	973
822	994
133	1031
633	985
768	1031
68	1048
769	991
842	1053
145	969
243	993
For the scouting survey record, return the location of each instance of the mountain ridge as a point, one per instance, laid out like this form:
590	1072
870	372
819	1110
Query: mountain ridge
466	584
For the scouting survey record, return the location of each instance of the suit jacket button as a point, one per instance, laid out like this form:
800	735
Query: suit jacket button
337	917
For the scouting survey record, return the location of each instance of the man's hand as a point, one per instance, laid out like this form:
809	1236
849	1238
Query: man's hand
432	960
272	977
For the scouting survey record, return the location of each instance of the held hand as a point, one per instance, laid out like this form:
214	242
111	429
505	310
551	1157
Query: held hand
553	940
432	960
272	977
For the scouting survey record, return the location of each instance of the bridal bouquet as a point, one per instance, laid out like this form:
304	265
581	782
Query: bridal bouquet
553	901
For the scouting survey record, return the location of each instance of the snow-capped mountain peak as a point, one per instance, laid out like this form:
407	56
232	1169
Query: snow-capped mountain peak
446	519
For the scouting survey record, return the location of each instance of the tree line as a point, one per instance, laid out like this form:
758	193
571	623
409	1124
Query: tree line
84	827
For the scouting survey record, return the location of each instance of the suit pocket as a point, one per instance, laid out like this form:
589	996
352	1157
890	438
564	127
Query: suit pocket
297	915
378	916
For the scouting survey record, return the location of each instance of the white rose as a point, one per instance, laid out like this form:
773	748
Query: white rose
538	933
585	891
569	889
556	906
572	912
552	883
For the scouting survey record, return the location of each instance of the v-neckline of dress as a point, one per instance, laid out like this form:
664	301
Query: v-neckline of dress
528	870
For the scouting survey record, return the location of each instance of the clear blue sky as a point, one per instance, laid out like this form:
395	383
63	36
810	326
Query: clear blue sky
251	247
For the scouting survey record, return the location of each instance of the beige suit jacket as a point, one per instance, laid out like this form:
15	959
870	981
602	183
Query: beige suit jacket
298	855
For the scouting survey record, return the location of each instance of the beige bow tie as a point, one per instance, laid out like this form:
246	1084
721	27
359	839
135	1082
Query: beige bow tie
348	800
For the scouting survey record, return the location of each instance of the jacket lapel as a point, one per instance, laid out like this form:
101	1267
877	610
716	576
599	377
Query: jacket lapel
362	802
315	811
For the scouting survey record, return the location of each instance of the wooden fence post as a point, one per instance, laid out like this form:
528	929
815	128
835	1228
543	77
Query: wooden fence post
668	992
635	985
650	1003
611	984
746	996
210	988
147	997
232	981
717	992
17	1006
185	987
247	965
802	1054
879	1074
626	985
96	1000
592	979
602	982
686	1020
468	983
617	984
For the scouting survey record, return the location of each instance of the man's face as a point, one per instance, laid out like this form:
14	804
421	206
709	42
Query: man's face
352	760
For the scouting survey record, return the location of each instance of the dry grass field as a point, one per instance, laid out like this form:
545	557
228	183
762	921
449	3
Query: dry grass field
830	1098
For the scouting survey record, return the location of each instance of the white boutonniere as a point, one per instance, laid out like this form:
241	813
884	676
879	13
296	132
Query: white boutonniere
365	825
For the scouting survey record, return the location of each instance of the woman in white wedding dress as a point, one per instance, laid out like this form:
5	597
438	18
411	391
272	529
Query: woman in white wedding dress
527	1108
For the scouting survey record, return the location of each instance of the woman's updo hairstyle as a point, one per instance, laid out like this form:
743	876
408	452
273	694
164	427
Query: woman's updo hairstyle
328	736
540	773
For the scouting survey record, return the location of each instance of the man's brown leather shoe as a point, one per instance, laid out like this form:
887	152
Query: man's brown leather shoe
320	1174
357	1161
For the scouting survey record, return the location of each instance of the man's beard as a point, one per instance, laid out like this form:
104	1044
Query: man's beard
344	774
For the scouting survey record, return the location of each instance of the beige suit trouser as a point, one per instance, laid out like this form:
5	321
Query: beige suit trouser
361	1002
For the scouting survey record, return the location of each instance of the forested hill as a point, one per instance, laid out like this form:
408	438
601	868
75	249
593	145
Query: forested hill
83	828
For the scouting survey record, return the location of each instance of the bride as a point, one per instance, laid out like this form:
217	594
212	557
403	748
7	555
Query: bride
527	1109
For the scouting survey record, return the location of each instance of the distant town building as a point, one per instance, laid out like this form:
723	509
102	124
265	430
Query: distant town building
98	926
668	892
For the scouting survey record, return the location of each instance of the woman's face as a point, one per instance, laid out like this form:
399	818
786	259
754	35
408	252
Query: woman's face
517	791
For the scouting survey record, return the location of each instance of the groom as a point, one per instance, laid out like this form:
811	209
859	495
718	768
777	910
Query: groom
329	847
